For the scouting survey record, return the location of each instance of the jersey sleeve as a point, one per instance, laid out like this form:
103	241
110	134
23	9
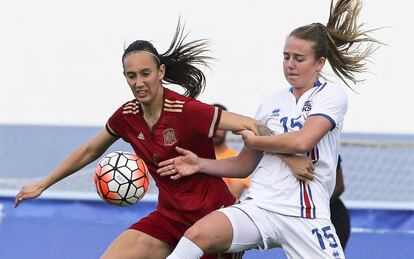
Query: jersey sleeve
202	118
331	103
261	111
114	124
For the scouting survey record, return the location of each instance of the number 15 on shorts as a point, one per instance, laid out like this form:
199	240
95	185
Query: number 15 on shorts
325	231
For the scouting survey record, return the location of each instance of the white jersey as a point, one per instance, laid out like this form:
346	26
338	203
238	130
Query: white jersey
273	186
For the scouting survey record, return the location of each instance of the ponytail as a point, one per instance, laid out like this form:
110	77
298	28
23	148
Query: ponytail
341	41
180	61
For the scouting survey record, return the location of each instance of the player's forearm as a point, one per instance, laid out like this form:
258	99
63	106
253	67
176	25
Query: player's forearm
229	167
236	122
82	156
233	122
235	167
314	129
287	159
287	143
77	160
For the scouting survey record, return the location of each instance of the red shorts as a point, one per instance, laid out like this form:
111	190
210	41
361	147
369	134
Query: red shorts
170	231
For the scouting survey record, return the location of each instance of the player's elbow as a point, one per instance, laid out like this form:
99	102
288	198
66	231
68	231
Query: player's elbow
245	173
91	153
245	166
303	145
242	170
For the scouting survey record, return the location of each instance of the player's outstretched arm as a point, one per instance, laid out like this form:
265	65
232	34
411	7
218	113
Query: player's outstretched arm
301	167
189	163
82	156
177	167
235	122
300	141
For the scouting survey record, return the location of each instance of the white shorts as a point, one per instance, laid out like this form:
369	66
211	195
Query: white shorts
299	237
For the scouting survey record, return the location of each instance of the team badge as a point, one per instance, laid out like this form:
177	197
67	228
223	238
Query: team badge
169	137
307	106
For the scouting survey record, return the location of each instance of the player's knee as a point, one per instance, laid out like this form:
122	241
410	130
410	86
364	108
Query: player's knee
194	233
197	236
207	241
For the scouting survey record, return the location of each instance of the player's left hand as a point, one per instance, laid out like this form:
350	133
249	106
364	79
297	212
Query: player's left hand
30	191
177	167
301	166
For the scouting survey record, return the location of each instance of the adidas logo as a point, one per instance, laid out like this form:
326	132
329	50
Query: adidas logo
141	136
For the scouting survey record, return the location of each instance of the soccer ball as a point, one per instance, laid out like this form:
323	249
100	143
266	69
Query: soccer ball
121	178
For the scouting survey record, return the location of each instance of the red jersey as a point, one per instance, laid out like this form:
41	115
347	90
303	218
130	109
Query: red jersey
187	123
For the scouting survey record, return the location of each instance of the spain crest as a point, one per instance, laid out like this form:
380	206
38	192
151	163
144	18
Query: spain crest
169	137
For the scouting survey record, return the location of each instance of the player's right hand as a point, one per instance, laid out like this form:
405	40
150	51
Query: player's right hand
29	191
177	167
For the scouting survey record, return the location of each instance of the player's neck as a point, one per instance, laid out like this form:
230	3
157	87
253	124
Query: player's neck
152	111
298	92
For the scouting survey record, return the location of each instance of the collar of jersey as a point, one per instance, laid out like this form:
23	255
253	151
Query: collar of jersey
316	84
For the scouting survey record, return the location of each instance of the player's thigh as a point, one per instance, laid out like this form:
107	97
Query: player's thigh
246	235
212	233
229	229
133	244
309	238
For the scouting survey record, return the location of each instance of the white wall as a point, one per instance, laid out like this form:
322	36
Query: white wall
60	60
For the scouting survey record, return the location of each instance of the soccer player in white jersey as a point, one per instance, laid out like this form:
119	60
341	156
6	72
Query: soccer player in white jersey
279	210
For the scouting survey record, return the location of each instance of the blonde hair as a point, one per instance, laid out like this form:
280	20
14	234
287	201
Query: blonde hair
341	41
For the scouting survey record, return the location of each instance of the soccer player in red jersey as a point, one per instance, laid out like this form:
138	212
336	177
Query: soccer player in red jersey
154	123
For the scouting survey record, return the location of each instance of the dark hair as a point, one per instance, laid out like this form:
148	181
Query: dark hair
220	106
180	60
336	40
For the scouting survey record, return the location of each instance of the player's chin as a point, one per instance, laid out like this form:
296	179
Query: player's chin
292	80
144	99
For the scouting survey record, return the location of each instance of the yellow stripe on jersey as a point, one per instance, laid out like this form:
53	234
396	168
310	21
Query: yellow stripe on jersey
172	110
131	107
174	101
173	105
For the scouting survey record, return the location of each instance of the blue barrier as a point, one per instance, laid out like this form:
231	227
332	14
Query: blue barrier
49	229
